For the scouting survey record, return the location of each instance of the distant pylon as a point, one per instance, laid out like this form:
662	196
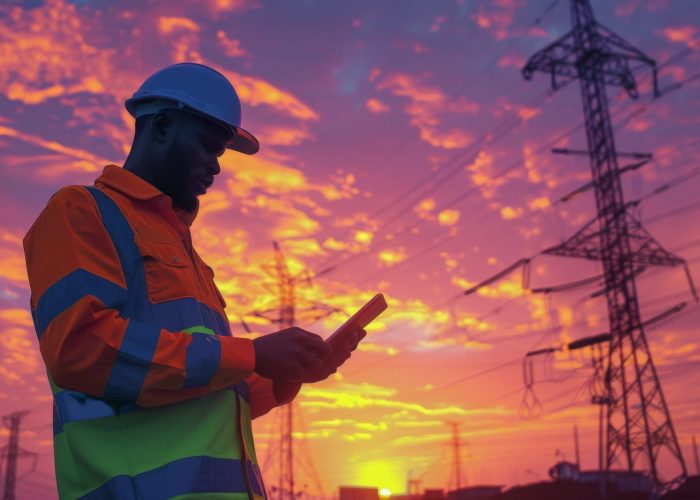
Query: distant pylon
413	485
286	319
576	449
456	455
286	314
12	451
639	423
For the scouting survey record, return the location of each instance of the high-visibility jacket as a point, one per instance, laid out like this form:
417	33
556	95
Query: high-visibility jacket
153	396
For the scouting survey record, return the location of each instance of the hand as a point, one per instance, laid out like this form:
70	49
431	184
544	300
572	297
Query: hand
290	354
340	354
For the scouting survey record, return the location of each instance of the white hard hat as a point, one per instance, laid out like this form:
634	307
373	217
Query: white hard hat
199	89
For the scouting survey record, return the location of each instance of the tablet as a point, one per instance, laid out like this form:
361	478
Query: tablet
360	319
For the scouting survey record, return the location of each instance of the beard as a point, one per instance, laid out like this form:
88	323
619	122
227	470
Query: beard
182	195
178	184
187	202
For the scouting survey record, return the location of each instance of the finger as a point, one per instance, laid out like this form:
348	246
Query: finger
311	361
316	337
345	352
314	342
360	333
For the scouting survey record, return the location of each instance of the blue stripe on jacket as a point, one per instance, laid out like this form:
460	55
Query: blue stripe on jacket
69	290
188	475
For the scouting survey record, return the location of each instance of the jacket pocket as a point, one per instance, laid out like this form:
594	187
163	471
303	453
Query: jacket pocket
210	273
212	284
168	270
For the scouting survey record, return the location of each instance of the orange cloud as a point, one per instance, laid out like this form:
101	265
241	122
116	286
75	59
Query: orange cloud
483	175
232	47
682	34
626	9
537	167
376	106
450	140
391	257
284	136
44	54
33	40
523	111
448	217
427	105
353	396
425	209
539	203
511	61
255	92
48	167
497	17
249	173
12	265
167	25
360	243
19	354
218	6
640	125
510	213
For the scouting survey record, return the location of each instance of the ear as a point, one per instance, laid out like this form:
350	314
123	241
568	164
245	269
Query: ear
161	126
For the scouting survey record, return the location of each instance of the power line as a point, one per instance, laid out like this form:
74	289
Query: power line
514	41
463	196
456	160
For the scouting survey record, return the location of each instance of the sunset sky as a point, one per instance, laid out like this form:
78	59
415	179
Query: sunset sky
402	152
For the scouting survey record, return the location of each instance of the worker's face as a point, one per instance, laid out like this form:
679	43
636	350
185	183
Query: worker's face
191	154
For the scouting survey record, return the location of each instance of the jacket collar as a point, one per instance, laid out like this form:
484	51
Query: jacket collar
133	186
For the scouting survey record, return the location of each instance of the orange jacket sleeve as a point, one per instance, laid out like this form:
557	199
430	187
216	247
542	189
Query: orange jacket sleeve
77	286
263	396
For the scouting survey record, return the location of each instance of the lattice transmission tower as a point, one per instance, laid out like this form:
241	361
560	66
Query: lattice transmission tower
639	432
286	314
12	452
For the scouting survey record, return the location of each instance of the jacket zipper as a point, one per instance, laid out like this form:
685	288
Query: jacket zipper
194	264
202	290
244	454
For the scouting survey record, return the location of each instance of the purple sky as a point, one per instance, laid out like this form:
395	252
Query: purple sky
400	146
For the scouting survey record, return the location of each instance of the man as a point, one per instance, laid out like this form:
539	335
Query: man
153	396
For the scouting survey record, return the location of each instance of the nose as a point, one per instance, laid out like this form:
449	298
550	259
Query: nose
214	167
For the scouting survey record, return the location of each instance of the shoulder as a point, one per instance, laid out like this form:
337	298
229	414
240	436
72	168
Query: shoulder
73	202
69	206
71	194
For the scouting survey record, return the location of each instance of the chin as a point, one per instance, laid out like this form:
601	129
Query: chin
187	202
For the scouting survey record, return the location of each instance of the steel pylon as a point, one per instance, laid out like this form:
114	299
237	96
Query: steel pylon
286	313
639	432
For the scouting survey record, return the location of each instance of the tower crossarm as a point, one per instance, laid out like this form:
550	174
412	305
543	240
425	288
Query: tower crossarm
557	59
646	251
601	48
622	46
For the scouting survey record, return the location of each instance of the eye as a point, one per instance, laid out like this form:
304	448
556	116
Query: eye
212	147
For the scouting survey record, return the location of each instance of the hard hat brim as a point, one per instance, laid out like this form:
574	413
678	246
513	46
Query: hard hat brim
244	142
